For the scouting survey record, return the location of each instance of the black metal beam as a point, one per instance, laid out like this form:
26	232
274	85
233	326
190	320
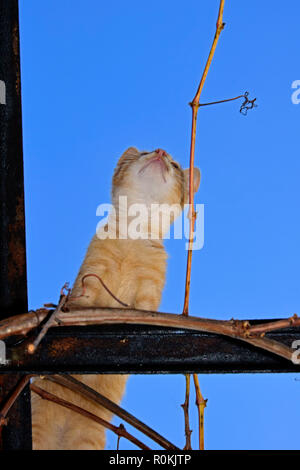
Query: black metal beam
13	284
138	349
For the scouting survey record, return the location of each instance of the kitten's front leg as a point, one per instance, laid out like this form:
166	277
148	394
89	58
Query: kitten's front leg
148	294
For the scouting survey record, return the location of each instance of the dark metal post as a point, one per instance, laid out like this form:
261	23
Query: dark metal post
13	283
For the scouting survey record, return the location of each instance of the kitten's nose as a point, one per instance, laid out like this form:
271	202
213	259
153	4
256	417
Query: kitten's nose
161	153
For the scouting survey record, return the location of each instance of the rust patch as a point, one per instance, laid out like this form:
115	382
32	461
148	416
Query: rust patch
17	265
60	347
15	45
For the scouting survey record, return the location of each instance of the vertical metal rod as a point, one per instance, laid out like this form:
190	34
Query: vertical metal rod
13	281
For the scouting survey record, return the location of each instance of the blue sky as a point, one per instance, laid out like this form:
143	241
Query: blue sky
98	77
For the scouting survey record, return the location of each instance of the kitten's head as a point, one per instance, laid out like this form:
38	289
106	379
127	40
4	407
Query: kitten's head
154	182
152	177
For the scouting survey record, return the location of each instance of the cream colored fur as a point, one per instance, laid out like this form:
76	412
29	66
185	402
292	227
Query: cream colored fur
134	270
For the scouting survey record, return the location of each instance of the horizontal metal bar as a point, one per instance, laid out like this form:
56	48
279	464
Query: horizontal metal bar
143	350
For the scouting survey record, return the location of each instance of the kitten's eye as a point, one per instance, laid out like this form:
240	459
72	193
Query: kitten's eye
143	153
175	165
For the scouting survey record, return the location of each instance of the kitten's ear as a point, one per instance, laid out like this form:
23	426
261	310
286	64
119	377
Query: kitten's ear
131	151
197	178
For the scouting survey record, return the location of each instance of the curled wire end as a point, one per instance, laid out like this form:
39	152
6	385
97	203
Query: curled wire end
247	104
83	294
66	288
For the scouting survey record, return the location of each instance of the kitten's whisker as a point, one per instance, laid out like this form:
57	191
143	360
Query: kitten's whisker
144	167
162	163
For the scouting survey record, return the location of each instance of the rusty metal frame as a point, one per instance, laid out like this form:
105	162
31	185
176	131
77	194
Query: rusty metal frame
136	349
105	349
13	282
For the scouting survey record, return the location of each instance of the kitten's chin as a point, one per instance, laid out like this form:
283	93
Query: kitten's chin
154	168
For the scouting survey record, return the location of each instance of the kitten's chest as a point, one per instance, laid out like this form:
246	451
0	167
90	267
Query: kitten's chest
140	263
